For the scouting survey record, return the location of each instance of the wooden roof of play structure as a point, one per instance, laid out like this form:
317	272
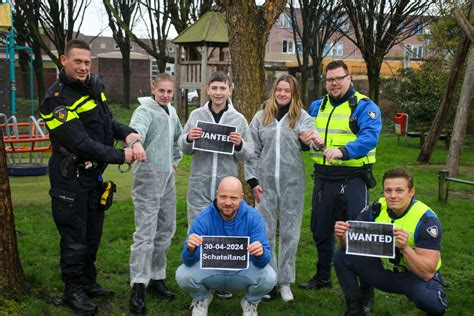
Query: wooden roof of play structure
210	28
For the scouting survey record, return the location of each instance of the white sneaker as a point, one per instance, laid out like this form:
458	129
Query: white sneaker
248	309
200	307
286	294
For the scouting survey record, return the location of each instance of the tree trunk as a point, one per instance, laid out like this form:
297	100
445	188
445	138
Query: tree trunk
317	72
126	77
373	74
462	115
445	107
38	68
248	72
12	279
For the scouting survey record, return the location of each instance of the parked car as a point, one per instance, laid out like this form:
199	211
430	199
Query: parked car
193	96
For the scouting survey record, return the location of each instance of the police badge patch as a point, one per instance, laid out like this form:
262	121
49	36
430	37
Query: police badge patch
372	115
433	231
60	113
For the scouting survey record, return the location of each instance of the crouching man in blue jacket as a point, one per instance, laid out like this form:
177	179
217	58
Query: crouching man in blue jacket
228	215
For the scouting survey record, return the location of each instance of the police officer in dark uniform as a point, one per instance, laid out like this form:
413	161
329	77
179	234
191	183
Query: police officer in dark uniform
82	132
350	124
415	270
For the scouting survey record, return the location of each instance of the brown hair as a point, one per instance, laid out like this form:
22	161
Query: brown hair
220	76
399	173
271	108
76	43
163	77
337	64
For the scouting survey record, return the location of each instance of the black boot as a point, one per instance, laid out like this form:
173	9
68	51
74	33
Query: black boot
321	280
76	298
354	308
367	299
160	289
95	290
137	299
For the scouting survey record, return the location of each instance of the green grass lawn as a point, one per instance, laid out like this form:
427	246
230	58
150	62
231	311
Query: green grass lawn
39	244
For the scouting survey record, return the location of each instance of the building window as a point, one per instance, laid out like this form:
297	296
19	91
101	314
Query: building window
103	46
416	51
288	47
331	49
171	49
284	21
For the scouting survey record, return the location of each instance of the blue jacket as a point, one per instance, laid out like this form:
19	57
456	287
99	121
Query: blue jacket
247	222
370	128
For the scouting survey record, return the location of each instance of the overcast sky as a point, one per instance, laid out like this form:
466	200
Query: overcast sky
96	20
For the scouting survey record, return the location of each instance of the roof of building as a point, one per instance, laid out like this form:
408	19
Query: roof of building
211	28
118	55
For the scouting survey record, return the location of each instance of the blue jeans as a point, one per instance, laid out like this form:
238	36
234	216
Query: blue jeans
198	282
429	296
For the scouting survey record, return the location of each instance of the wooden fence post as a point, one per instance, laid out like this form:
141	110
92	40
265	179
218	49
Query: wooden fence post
443	186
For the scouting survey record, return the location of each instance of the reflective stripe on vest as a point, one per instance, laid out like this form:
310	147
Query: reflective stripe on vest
333	125
52	122
408	223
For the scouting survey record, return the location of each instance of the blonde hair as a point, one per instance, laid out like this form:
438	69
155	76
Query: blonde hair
271	107
163	77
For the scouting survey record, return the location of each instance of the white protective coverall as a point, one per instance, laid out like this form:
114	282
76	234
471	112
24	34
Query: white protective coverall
154	190
207	168
279	169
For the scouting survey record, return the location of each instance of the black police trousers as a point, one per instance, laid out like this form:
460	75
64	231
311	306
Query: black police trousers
79	222
428	296
324	205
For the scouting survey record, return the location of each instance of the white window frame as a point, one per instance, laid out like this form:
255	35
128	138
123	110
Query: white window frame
334	49
288	46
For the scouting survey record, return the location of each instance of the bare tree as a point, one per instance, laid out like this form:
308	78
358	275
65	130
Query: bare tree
378	25
26	19
127	10
249	26
12	279
184	12
318	27
57	21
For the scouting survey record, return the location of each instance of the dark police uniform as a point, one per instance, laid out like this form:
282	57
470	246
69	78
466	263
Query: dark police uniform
352	124
393	275
80	122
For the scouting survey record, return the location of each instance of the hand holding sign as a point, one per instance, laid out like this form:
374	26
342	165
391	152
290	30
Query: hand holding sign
193	242
401	237
255	249
194	133
235	138
340	228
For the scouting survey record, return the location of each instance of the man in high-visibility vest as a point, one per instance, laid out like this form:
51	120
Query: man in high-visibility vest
414	271
350	125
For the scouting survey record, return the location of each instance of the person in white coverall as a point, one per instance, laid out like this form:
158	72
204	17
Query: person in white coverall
207	168
277	174
154	192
